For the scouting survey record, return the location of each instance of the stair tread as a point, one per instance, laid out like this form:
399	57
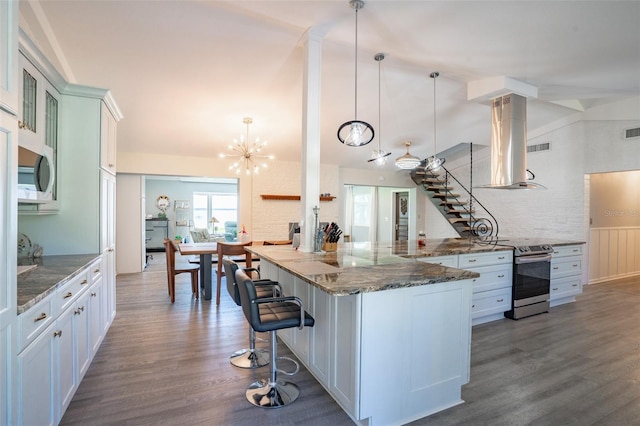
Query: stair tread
445	194
459	219
453	202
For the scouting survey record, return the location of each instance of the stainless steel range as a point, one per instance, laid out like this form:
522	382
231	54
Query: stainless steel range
531	280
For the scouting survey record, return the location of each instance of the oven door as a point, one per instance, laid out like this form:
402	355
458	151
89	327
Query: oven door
532	277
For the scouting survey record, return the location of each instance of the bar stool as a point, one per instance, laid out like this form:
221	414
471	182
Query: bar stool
271	314
252	357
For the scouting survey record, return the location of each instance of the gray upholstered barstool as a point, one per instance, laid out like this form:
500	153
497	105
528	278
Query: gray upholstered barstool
251	357
271	314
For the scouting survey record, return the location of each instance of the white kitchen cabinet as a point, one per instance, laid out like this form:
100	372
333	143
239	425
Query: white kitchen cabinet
108	129
566	274
492	290
108	243
9	79
450	261
9	56
59	337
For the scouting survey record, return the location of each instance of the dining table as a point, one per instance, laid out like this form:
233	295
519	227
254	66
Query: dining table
205	251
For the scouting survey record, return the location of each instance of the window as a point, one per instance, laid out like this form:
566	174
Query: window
224	207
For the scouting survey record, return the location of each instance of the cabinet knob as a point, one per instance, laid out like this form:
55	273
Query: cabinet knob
93	294
57	333
111	164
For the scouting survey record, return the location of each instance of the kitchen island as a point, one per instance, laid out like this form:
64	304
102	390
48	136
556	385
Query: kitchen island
392	335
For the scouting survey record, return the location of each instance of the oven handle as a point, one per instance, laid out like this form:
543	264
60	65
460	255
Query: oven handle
532	259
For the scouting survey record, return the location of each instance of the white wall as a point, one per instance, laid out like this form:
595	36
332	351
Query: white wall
129	223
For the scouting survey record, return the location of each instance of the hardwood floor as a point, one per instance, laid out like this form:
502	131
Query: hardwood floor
165	364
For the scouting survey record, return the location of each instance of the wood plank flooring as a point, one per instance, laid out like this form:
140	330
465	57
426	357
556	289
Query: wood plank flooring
164	364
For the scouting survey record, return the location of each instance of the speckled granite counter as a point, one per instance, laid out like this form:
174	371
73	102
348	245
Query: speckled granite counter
50	273
365	267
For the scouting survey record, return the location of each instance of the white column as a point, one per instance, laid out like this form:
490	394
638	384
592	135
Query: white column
310	193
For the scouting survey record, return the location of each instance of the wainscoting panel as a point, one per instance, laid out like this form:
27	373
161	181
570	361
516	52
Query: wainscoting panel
614	253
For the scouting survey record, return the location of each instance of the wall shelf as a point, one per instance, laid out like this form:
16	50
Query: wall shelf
291	197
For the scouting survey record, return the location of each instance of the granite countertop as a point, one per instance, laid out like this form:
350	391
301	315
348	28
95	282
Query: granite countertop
49	273
365	267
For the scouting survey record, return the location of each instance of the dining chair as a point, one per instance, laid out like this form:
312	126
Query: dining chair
174	269
237	252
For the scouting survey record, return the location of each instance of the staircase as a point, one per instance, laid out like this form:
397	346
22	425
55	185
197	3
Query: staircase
456	203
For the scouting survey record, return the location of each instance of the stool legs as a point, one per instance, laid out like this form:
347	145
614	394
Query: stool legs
252	357
272	393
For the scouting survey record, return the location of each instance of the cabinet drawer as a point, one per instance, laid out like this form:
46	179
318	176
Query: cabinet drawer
95	271
493	278
35	319
564	267
563	251
450	261
490	302
565	287
483	259
70	291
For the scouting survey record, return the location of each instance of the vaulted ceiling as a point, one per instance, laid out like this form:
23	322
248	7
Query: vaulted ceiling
185	73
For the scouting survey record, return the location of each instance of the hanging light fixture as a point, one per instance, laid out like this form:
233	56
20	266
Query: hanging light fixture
356	132
407	161
433	162
247	157
379	156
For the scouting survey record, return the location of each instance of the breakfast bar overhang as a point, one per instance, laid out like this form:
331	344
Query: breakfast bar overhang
392	338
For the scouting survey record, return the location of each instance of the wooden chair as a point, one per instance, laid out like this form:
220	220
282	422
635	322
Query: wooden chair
237	253
174	269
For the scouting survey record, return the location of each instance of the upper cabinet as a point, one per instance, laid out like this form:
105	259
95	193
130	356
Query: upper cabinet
9	56
108	125
38	117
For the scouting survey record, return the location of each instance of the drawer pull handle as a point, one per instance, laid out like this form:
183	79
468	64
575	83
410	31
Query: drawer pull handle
555	267
575	266
96	271
473	306
574	285
501	276
79	310
93	294
500	257
472	260
68	295
84	282
575	250
500	300
57	333
555	289
40	317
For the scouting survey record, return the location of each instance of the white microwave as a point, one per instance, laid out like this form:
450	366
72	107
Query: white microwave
36	175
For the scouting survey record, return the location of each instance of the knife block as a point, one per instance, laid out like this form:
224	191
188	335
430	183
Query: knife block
330	246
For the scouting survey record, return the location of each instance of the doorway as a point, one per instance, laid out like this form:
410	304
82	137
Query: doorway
401	216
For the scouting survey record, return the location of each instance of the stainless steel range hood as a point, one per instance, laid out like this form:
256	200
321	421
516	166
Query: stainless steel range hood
509	144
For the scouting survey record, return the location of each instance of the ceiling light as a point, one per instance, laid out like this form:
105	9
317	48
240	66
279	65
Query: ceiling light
407	161
433	162
247	157
356	132
379	156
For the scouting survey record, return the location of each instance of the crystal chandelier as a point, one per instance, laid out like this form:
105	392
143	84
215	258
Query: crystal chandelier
379	156
245	156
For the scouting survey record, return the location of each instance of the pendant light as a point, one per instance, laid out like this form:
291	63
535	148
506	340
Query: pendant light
379	156
356	132
433	162
407	161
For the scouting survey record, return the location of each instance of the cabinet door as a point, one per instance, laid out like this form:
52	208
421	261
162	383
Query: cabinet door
9	56
81	332
108	128
96	316
31	85
64	364
36	381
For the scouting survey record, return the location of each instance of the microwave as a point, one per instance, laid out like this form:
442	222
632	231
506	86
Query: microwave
36	175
